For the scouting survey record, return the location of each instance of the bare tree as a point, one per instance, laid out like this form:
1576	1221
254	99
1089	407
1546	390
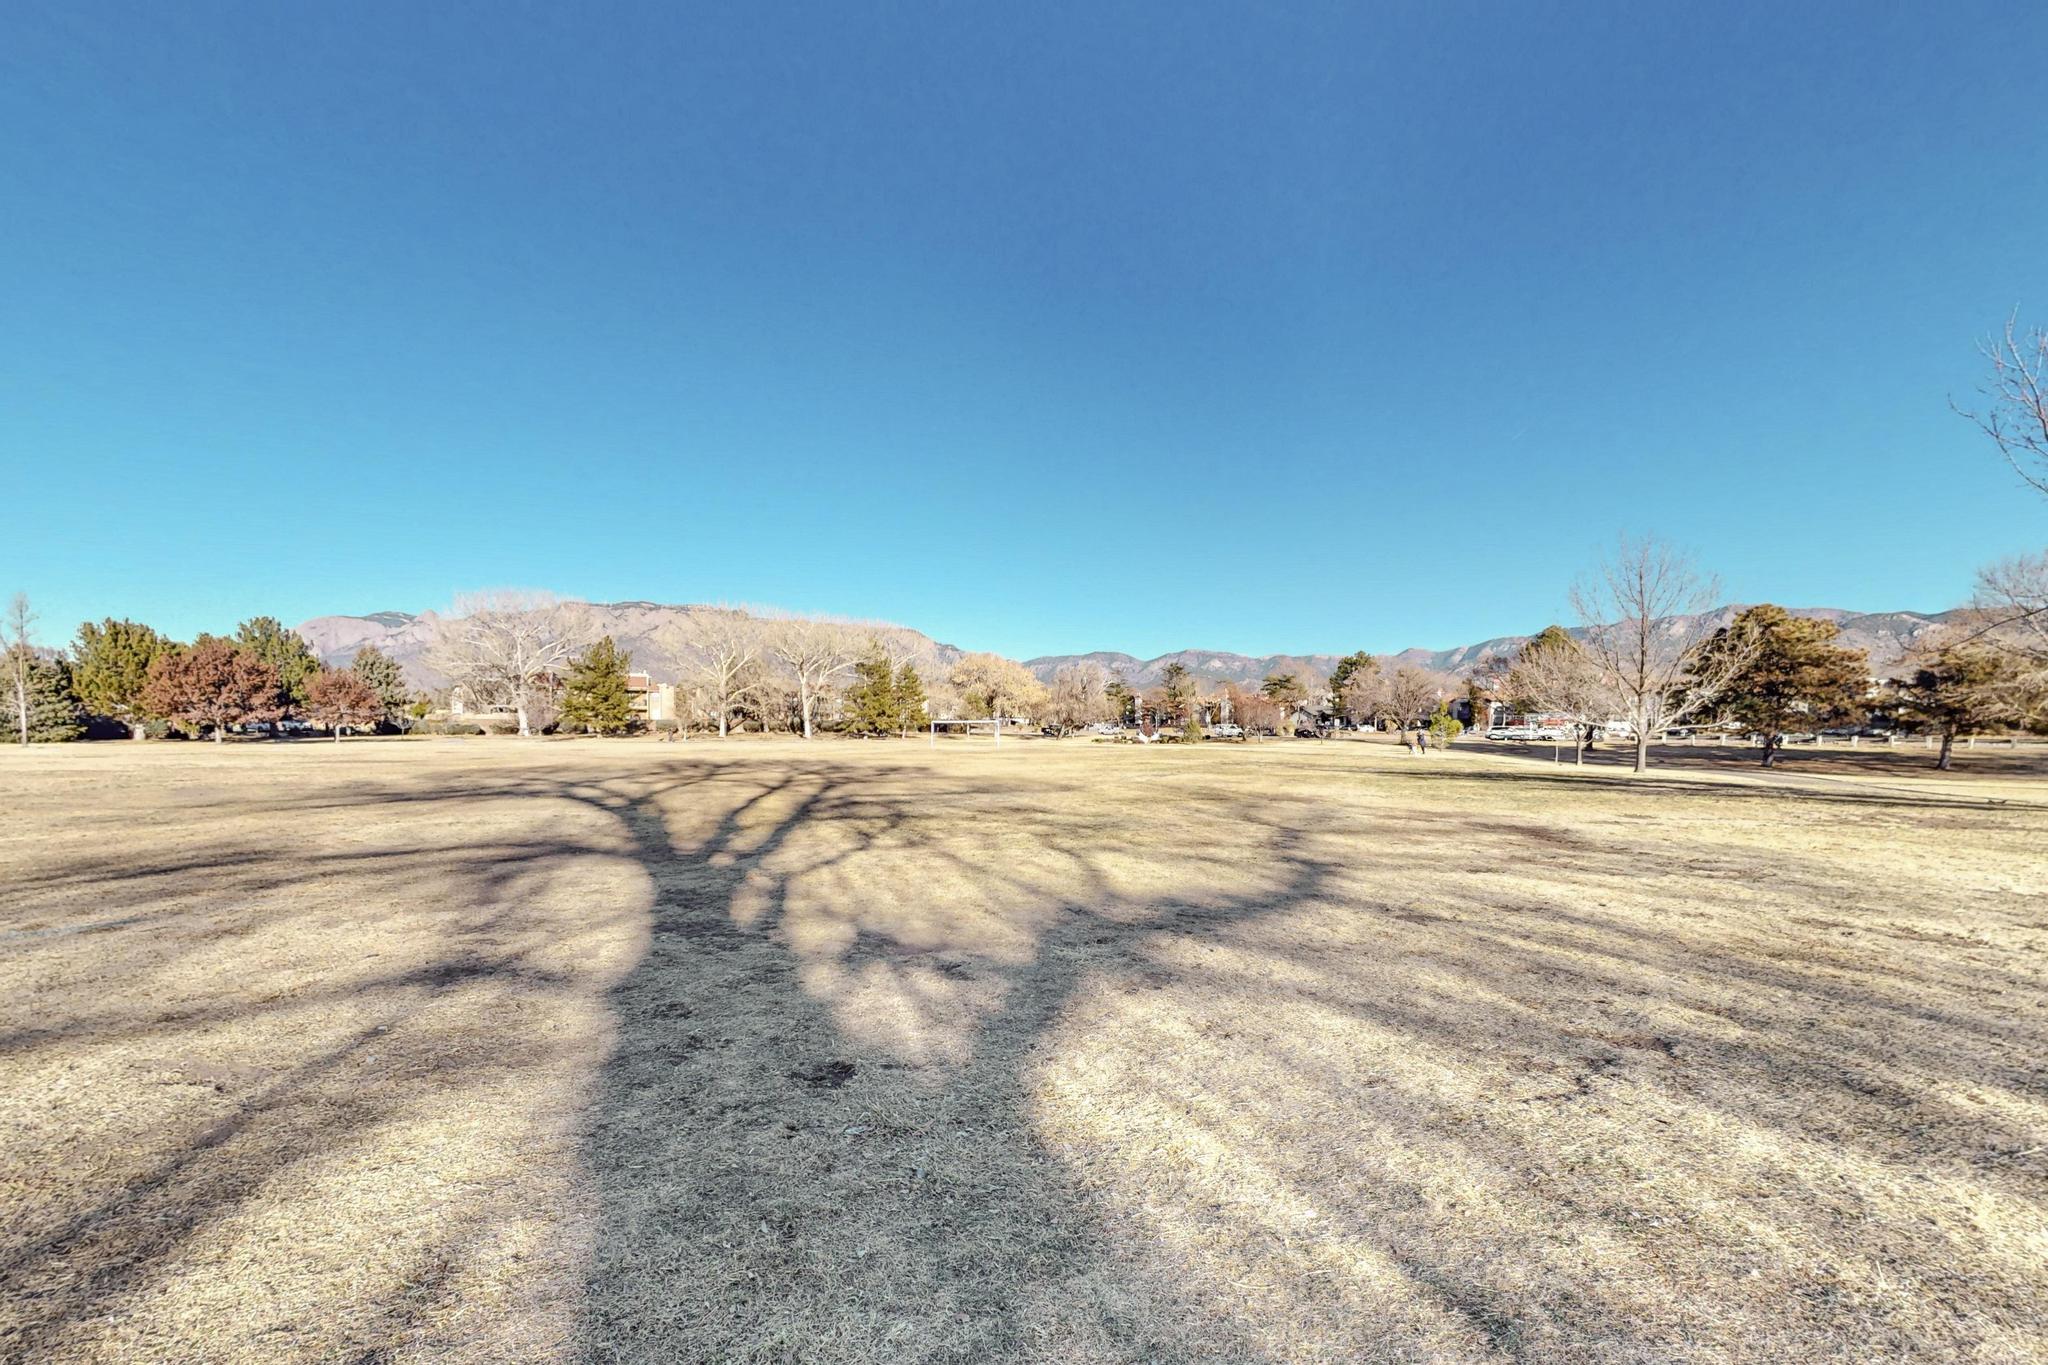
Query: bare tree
510	648
1077	697
990	685
1554	676
1644	619
732	649
814	652
1412	694
2015	414
19	619
2012	606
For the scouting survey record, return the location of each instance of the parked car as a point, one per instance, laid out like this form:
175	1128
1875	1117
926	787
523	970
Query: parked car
1512	732
1226	731
1548	732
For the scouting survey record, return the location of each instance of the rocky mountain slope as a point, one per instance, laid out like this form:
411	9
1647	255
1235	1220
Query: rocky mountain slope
663	638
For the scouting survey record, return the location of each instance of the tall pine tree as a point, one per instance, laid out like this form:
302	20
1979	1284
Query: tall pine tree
871	699
54	714
908	700
385	677
265	639
110	667
595	696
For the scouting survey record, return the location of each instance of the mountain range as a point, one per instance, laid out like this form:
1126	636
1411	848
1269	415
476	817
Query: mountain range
664	640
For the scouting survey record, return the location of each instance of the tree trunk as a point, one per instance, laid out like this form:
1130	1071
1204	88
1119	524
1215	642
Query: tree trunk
1771	750
135	730
721	722
1948	747
337	734
521	708
220	731
1642	749
804	700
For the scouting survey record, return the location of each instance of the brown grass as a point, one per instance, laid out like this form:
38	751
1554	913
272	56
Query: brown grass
482	1050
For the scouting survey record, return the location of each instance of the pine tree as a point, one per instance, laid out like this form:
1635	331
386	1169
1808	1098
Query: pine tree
385	677
110	667
1961	686
595	695
54	714
1120	698
871	699
908	700
1178	688
1360	668
1795	675
267	641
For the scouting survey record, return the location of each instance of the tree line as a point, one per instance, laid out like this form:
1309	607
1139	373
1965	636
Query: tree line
124	674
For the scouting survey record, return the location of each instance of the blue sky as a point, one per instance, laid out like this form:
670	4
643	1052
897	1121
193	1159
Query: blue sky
1039	328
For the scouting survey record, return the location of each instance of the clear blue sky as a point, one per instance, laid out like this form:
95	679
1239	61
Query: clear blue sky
1038	328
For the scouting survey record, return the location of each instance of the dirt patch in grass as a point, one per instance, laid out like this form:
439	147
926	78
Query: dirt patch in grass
766	1052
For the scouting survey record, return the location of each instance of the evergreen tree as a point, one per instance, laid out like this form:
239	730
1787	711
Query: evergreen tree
1120	698
1177	686
268	642
595	695
385	677
909	699
871	707
1359	668
1444	726
1285	691
1795	675
1962	686
110	667
54	714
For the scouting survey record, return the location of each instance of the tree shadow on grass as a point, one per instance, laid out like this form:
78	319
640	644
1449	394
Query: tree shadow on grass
972	1063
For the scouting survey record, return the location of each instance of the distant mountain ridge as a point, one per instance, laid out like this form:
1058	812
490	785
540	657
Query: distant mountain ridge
1886	636
662	638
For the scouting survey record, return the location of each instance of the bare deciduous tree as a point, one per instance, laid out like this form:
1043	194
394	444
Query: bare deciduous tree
1643	614
19	619
1077	696
1555	677
2015	414
509	648
732	649
2012	603
1412	694
814	652
990	685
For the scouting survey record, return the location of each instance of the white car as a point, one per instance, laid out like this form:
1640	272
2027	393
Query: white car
1512	732
1226	731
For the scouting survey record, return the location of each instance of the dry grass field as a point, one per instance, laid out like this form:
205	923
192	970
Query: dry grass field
496	1051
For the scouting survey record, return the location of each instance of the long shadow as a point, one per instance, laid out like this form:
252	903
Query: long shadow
820	1134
